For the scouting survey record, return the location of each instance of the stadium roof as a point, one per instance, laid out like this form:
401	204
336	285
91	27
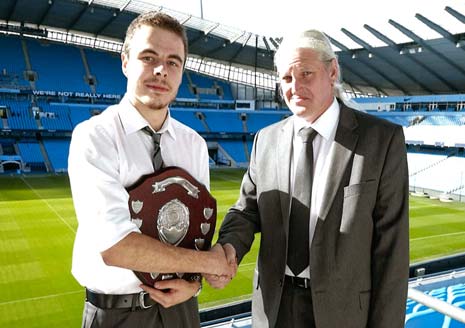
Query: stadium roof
420	66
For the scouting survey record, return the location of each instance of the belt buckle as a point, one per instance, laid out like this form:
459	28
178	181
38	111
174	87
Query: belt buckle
142	302
305	283
300	282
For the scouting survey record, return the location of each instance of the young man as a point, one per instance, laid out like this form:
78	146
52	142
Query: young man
332	209
109	153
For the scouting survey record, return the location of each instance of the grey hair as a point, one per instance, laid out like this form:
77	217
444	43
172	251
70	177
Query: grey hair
317	41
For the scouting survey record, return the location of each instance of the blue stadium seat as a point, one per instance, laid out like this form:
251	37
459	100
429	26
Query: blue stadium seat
106	68
68	76
188	118
235	149
78	114
258	120
57	151
424	319
224	121
12	58
31	154
20	117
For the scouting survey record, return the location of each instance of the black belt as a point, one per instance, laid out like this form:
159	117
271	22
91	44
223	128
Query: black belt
109	301
297	281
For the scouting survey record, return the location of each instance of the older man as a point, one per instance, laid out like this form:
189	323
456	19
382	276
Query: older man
327	189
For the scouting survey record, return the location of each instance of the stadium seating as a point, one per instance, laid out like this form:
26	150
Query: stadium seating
56	118
184	91
69	75
235	148
205	86
106	68
12	63
418	315
20	115
189	118
435	172
424	319
57	150
258	120
78	113
31	154
11	56
224	121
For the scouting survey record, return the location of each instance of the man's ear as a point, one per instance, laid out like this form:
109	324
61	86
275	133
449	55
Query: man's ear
334	70
124	63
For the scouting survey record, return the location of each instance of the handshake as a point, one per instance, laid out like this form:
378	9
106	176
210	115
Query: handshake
224	268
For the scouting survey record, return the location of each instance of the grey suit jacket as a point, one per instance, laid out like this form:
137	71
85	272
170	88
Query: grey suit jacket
359	256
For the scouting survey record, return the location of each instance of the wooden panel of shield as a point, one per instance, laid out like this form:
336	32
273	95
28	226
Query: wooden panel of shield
173	207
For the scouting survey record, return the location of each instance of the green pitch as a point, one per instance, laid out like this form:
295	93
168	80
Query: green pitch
37	228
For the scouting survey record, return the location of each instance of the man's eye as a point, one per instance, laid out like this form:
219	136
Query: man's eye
306	73
173	63
147	59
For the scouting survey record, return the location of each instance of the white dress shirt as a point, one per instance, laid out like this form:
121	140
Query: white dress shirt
109	153
326	126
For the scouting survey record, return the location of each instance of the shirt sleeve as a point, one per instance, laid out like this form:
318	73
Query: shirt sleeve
204	166
100	199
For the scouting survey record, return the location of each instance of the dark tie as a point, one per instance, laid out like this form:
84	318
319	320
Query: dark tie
157	160
298	248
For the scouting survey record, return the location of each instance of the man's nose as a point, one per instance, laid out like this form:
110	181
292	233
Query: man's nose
295	84
159	70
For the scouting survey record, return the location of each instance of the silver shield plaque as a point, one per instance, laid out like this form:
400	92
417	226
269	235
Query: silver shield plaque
173	222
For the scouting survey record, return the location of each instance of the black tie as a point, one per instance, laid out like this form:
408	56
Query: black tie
298	248
157	160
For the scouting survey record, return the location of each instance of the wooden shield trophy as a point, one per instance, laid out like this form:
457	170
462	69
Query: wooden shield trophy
173	207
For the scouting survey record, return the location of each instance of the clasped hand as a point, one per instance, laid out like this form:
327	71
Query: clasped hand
227	266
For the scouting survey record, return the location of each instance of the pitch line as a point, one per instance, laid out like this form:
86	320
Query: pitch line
49	206
40	297
443	235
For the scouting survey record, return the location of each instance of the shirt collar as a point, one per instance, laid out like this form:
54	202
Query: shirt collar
132	121
325	124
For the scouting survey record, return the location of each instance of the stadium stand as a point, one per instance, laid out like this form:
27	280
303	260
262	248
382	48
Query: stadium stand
57	150
106	68
237	149
79	113
224	121
54	117
11	63
19	115
184	92
420	316
189	117
69	75
257	120
31	154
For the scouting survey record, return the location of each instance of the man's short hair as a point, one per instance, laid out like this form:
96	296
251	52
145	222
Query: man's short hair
155	19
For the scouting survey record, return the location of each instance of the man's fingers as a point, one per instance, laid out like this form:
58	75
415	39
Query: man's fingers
230	252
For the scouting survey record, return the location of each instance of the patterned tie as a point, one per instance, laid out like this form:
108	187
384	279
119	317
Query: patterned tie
157	160
298	248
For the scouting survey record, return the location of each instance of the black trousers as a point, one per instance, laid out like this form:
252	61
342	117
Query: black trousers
296	308
184	315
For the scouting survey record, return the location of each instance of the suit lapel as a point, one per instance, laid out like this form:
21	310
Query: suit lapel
339	156
283	167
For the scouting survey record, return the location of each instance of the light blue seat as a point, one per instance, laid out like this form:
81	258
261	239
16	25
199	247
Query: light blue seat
424	319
